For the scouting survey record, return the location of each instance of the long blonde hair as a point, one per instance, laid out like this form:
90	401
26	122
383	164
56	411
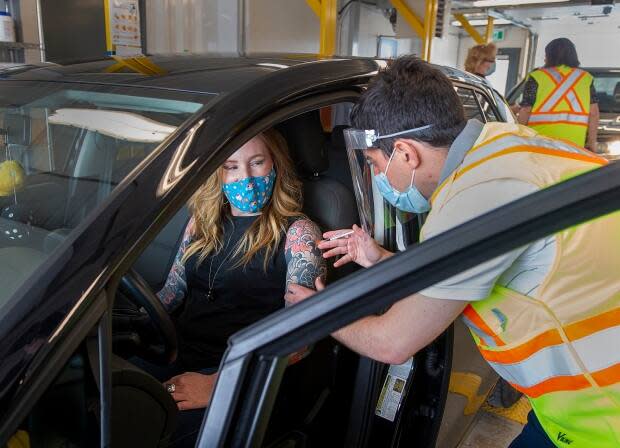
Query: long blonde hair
209	209
477	54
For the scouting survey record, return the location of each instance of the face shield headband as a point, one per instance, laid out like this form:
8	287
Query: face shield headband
361	139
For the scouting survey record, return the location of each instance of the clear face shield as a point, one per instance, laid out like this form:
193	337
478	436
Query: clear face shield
357	141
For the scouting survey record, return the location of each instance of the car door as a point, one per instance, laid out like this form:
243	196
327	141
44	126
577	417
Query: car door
110	239
256	358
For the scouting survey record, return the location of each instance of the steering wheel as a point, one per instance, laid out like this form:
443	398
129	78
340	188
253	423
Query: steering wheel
135	288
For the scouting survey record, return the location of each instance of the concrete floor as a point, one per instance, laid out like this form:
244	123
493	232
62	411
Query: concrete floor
491	431
497	427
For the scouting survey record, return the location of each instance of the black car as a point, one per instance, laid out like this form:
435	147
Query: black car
607	86
110	156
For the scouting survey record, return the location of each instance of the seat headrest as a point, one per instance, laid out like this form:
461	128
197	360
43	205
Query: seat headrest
617	91
306	142
338	135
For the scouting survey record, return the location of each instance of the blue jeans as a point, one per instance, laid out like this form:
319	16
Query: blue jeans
188	422
533	435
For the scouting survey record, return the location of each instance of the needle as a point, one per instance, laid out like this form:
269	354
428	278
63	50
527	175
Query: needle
342	235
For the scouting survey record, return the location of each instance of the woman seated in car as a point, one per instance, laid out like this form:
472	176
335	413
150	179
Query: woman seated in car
245	242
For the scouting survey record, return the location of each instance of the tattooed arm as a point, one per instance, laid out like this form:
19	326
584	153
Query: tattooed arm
303	257
173	292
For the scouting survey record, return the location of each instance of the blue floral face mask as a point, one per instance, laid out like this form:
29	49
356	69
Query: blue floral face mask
410	200
252	193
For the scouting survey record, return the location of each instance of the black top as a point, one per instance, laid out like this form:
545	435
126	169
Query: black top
531	88
239	297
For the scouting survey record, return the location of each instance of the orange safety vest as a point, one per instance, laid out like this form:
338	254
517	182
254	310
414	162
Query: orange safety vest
562	105
562	347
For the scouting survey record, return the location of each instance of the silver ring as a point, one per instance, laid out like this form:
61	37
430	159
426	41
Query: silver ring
170	388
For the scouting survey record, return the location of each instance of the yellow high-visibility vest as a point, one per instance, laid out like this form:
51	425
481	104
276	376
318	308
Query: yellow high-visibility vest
562	106
562	347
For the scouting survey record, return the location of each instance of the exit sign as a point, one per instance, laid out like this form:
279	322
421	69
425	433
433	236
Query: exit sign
498	35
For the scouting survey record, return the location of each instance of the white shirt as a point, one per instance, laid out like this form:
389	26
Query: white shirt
521	270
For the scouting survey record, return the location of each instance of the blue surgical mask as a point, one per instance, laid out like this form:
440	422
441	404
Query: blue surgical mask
410	200
490	70
251	194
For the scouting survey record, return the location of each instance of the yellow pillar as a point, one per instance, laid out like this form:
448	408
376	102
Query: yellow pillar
328	27
470	29
315	5
410	17
489	36
108	31
326	11
430	18
425	30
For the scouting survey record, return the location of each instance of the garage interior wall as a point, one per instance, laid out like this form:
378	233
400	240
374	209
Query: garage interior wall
445	50
281	26
195	26
298	28
596	39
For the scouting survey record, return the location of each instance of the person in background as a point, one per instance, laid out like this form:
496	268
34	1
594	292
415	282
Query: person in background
481	60
559	99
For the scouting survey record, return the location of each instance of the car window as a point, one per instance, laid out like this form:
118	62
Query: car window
488	110
516	96
470	103
63	150
607	86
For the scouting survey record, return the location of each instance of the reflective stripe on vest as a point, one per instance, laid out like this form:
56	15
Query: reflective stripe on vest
562	88
546	363
563	117
562	104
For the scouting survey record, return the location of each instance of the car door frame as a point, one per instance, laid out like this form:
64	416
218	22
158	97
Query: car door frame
255	359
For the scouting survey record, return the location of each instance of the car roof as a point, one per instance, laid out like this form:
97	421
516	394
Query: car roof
207	74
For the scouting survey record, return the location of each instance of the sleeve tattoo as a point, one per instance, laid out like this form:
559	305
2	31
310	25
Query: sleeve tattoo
174	291
303	257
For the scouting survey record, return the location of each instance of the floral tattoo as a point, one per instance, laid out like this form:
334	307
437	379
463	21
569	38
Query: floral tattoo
303	257
174	291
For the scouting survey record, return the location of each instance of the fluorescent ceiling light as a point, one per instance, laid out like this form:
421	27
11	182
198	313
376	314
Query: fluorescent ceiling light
483	22
122	125
492	3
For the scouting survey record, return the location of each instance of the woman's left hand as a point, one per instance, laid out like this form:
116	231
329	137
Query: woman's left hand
192	390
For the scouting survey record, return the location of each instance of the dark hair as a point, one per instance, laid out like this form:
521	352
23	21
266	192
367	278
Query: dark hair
410	93
561	52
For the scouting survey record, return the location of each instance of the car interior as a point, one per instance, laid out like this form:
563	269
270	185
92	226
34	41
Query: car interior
305	397
139	400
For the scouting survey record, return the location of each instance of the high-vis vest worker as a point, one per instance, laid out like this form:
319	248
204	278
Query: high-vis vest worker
562	106
561	348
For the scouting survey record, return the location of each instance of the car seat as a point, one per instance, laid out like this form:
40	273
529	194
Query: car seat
338	160
307	390
327	201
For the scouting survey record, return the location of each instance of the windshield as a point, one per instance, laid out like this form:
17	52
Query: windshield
607	85
63	150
